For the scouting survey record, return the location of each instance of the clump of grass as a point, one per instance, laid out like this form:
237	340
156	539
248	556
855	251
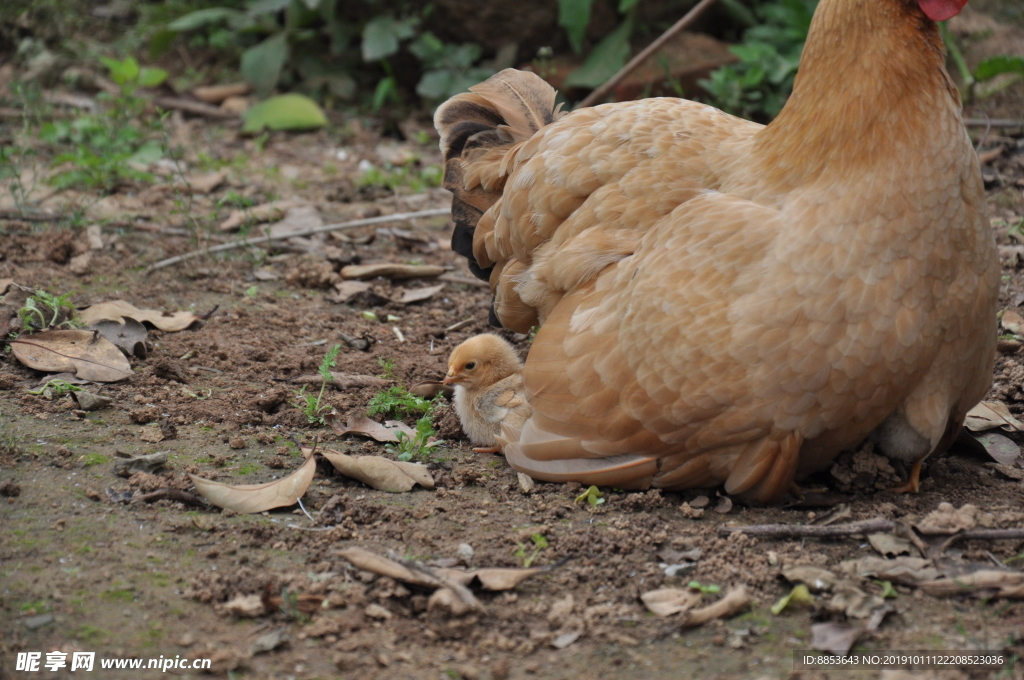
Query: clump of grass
10	438
419	446
313	407
398	402
539	543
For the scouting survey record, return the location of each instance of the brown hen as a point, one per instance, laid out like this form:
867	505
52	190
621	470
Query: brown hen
724	302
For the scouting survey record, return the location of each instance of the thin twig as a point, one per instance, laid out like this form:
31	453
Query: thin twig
171	495
856	528
241	243
691	16
28	216
995	122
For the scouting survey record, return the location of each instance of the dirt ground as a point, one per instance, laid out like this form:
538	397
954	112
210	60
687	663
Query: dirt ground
82	568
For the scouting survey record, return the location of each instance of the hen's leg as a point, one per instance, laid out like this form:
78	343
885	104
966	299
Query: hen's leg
913	483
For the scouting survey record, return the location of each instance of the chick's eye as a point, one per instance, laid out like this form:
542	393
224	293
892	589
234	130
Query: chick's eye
471	365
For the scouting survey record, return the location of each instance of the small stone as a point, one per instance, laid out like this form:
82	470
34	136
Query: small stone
87	401
690	512
465	552
700	502
186	640
375	611
92	494
36	622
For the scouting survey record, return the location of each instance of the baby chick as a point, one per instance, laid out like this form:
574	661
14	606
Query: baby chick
488	381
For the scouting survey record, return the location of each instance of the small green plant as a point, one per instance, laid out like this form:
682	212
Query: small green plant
705	590
387	368
398	401
887	589
109	147
592	495
757	86
252	291
419	446
410	176
43	310
10	438
57	388
539	543
313	407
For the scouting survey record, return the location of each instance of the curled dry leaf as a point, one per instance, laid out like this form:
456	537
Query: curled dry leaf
850	600
448	601
735	601
988	415
127	334
87	354
669	601
420	294
119	309
368	561
250	498
5	284
1008	584
361	424
495	578
391	271
888	545
346	290
381	473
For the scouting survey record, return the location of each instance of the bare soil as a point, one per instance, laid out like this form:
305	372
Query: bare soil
144	579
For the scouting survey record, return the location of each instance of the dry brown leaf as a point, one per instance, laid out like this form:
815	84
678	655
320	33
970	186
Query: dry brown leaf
391	271
887	544
87	354
346	290
128	334
447	600
1008	471
669	601
1012	322
735	601
1008	584
815	578
208	182
368	561
215	94
988	415
361	424
250	498
268	212
118	309
905	570
1001	449
498	578
381	473
5	284
836	638
420	294
853	602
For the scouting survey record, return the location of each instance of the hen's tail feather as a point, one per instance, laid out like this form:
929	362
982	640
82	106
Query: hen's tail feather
477	130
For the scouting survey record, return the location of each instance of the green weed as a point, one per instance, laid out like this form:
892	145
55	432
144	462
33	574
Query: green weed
592	495
57	388
43	310
313	407
418	447
539	543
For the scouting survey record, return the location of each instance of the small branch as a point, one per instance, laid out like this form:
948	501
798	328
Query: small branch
28	216
811	530
241	243
691	16
995	122
857	528
171	495
194	107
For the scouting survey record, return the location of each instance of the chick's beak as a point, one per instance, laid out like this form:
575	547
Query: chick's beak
450	378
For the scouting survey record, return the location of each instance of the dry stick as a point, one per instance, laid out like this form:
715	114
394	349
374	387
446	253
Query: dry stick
398	217
854	528
995	122
691	16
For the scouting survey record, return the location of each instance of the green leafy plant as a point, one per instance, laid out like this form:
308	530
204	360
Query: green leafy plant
539	543
609	54
43	310
57	388
757	86
397	401
313	407
387	368
109	147
592	495
409	176
419	446
705	590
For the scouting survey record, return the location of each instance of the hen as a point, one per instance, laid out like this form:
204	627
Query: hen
725	302
488	380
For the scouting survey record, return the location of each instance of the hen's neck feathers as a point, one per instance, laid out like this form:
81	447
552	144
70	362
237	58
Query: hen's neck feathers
872	81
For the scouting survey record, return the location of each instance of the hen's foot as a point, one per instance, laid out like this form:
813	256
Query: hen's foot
913	484
487	449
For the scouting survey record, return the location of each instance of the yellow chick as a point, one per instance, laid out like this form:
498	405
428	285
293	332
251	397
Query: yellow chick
488	380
